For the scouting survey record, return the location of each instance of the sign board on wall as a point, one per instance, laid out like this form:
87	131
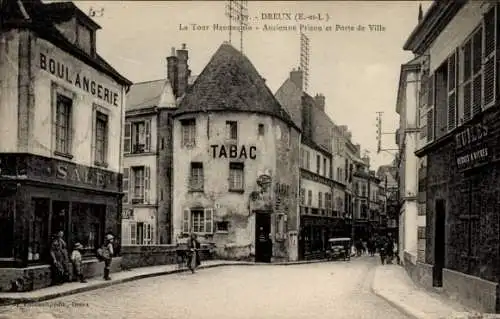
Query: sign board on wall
471	147
54	171
85	81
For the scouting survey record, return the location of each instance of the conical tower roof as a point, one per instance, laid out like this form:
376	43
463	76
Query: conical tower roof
229	82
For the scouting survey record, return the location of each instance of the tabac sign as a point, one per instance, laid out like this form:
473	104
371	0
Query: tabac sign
471	146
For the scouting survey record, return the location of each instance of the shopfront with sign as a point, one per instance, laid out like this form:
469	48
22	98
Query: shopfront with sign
462	205
41	196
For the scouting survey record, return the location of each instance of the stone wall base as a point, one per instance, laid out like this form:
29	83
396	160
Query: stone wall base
420	273
472	292
37	277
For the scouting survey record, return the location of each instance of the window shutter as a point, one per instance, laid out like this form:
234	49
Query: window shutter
133	233
126	233
185	221
127	140
430	124
430	95
452	96
489	57
477	80
147	146
147	183
125	183
209	220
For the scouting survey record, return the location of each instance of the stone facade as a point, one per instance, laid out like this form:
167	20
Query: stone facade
60	156
274	154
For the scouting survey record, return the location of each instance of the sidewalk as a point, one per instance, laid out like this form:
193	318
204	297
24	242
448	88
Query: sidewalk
392	283
52	292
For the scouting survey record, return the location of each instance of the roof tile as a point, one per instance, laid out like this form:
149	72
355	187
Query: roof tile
230	82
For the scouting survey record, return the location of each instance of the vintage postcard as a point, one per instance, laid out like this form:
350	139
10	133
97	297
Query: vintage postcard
249	159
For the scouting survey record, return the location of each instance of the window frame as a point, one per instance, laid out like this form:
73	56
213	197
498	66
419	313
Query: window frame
240	168
232	130
61	93
188	132
99	111
198	185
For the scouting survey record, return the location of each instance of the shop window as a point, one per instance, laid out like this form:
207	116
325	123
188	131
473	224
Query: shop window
198	220
63	124
6	228
39	234
60	218
87	226
236	176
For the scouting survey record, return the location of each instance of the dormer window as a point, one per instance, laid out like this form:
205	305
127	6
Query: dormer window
84	37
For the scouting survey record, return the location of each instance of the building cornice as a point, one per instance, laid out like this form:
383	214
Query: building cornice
140	112
306	174
436	19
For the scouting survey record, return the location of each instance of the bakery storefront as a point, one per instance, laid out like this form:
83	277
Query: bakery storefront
40	196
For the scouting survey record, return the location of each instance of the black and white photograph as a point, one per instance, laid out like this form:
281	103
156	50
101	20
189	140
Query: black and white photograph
235	159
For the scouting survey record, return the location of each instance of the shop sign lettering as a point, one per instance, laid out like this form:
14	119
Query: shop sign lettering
62	71
234	152
470	135
81	174
472	158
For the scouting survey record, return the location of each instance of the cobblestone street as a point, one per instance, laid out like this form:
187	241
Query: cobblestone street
325	290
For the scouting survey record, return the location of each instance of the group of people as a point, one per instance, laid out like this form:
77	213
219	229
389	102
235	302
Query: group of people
61	262
385	245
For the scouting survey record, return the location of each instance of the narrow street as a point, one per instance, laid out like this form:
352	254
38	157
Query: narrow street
324	290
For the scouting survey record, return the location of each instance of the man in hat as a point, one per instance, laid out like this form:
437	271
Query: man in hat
76	260
108	255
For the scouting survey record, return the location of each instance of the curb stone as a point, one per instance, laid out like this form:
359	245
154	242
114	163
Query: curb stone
5	301
402	308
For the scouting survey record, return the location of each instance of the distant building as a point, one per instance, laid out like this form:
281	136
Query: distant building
148	154
460	121
321	196
236	163
412	216
388	176
61	114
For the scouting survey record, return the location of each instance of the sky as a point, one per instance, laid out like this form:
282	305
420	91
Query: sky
356	70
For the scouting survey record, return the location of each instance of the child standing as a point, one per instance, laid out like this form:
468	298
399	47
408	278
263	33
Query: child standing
76	260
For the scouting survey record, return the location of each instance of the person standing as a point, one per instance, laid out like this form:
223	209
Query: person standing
76	260
59	259
194	247
106	254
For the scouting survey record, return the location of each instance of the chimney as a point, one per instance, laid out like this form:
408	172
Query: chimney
420	13
297	77
320	101
172	71
182	70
